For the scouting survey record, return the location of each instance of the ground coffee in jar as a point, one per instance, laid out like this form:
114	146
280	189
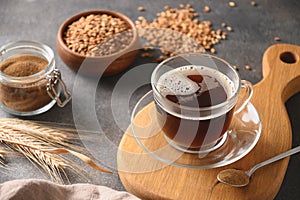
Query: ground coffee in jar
29	82
23	65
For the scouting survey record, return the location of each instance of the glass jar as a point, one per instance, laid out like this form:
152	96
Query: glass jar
32	94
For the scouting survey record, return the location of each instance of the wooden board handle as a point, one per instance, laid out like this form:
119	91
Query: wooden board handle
281	69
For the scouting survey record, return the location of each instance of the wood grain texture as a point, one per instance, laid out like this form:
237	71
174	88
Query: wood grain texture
280	81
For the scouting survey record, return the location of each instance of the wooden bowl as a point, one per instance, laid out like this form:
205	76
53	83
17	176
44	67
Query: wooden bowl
98	65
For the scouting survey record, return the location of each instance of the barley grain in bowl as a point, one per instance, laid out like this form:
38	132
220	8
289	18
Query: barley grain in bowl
98	42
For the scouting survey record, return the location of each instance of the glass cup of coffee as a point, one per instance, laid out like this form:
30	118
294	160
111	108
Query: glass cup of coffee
196	98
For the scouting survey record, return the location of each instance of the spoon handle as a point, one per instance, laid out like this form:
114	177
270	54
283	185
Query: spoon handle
278	157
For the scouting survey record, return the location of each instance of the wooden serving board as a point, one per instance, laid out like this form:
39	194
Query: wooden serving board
281	72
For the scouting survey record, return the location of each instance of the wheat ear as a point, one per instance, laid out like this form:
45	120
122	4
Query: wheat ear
43	146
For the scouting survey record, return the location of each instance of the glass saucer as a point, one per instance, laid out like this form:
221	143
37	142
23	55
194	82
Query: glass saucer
242	136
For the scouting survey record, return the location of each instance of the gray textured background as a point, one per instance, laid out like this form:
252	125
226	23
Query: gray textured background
254	30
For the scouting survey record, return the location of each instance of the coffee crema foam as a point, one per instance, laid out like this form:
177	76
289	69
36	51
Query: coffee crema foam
176	82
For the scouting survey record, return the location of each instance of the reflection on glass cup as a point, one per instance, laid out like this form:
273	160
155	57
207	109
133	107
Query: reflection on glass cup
195	97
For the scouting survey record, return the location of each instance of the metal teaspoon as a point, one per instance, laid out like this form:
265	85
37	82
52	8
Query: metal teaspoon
240	178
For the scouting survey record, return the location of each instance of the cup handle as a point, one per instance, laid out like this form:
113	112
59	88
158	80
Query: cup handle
247	86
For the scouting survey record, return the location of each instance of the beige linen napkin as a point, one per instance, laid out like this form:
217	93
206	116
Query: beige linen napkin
34	189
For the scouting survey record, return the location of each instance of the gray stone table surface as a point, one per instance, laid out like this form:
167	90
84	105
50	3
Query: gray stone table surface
254	31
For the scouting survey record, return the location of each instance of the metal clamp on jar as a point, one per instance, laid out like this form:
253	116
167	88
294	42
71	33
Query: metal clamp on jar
30	83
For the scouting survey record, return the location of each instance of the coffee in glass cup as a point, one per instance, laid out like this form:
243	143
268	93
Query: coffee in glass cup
195	97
